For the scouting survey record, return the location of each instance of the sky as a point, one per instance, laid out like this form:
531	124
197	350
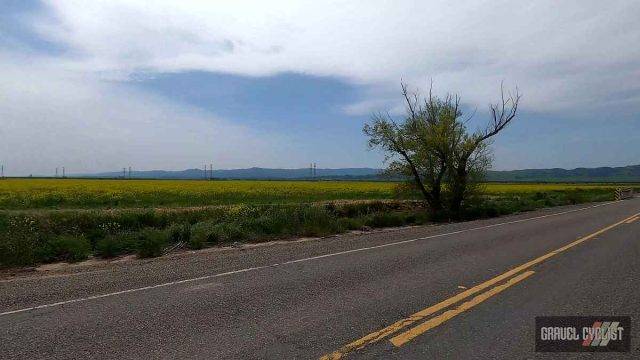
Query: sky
101	85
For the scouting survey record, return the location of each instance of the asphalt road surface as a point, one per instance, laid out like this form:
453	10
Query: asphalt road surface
457	291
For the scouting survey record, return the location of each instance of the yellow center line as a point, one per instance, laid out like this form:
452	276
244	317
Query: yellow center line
631	220
407	336
420	315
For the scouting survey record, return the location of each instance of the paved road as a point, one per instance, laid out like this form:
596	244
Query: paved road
468	290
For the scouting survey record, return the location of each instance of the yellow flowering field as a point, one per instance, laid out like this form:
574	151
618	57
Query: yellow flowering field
90	193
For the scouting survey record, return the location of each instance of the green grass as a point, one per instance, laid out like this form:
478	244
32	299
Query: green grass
28	238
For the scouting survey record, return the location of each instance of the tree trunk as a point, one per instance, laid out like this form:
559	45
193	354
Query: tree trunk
459	189
436	200
436	190
418	180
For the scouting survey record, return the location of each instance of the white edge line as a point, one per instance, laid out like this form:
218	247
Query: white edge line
60	303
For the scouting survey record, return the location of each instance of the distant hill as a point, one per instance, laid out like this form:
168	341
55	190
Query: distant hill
252	173
601	174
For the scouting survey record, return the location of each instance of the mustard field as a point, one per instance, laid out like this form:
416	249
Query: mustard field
90	193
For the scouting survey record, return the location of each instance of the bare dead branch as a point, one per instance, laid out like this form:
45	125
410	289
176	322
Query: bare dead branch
411	99
501	114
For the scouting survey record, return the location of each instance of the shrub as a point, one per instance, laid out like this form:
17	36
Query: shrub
17	249
575	197
116	244
71	248
131	220
94	235
230	232
272	224
385	220
180	233
350	223
213	233
197	241
421	218
203	233
151	243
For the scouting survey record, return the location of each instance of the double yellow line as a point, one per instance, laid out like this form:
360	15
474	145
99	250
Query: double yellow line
511	277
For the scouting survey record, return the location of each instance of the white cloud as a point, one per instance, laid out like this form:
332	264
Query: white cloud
566	57
52	118
561	54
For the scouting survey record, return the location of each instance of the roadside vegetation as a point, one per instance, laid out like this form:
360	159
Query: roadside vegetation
31	237
34	235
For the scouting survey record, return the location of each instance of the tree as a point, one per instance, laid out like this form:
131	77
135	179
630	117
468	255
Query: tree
418	147
433	147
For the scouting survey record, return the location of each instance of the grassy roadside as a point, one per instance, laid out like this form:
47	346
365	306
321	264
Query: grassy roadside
33	237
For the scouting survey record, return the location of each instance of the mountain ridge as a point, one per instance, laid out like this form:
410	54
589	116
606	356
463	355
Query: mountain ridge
600	174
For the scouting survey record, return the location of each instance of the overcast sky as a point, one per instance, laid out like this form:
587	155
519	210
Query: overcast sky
100	85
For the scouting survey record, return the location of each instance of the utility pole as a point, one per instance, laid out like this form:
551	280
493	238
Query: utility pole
129	172
2	171
63	173
211	172
56	172
315	170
